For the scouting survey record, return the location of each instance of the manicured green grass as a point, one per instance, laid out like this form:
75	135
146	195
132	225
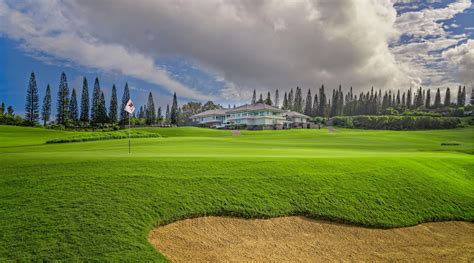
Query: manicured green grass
94	201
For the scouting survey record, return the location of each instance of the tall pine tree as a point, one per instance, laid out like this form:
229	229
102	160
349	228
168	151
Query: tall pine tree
314	112
125	98
150	116
428	99
409	98
96	111
63	101
10	111
298	104
32	101
471	101
174	110
46	111
459	97
159	114
291	99
73	110
168	113
322	102
334	103
277	99
141	113
437	101
308	108
340	101
268	100
463	96
254	97
419	98
85	101
113	106
102	118
385	101
390	104
285	102
447	98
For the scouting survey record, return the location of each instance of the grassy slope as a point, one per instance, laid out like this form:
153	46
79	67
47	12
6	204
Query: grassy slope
93	200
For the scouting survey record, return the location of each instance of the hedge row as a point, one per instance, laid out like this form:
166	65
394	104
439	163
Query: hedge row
97	136
397	122
6	119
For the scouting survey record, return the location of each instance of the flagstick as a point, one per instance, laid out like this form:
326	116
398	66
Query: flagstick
129	115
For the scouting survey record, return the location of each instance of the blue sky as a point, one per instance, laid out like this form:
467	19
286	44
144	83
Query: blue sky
18	65
163	47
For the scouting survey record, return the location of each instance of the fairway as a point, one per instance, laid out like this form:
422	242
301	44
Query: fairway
95	201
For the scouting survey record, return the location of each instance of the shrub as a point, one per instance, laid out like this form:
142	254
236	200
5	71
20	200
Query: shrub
421	113
7	119
397	122
458	112
96	136
341	121
56	126
390	111
319	120
450	144
83	126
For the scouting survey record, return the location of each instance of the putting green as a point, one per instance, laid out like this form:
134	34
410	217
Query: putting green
94	201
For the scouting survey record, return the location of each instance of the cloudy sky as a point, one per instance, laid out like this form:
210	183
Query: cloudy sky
223	50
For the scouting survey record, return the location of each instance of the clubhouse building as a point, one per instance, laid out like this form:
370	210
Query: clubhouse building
258	116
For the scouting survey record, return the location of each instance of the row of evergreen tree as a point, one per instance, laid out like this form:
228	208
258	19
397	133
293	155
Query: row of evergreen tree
148	113
366	103
4	110
91	112
95	112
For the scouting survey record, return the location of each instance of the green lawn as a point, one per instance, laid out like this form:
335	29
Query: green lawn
94	201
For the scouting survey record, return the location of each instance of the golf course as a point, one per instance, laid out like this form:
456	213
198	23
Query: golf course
81	196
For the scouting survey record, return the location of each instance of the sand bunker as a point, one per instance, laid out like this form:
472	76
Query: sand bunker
290	239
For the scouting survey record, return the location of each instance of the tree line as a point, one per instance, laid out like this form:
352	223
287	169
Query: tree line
372	102
73	111
83	112
396	122
91	112
182	115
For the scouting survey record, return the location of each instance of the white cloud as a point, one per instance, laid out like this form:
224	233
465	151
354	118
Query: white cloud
423	53
262	45
55	36
246	45
462	57
426	22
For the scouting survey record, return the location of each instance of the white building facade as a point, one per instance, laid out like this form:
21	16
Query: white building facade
258	116
210	118
297	120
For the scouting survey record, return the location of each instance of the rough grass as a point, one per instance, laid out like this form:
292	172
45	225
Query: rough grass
94	201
